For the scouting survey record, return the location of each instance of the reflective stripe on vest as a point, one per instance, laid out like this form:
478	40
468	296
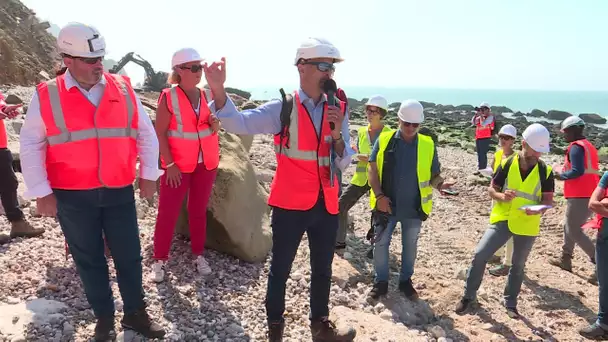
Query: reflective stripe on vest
364	147
497	159
179	132
527	192
426	148
77	135
584	185
303	163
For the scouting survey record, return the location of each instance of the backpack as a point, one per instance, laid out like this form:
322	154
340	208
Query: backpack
542	168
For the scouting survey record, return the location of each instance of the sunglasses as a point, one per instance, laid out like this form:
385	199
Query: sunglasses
505	137
323	66
372	111
88	60
409	124
193	68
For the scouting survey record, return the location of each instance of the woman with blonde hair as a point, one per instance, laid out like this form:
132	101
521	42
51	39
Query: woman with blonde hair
189	149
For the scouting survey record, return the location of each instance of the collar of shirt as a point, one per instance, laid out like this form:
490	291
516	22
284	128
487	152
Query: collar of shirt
310	103
398	136
71	82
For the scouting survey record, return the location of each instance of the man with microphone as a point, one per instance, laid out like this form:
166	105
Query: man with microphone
304	191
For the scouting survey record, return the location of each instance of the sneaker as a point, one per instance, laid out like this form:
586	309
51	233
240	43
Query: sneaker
22	228
275	331
158	273
202	266
380	289
564	262
140	323
594	332
463	306
500	270
513	313
324	330
407	288
104	329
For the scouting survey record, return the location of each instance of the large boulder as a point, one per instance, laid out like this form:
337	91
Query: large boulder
592	118
237	216
558	115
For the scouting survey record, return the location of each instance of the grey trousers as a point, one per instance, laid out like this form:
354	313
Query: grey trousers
493	239
349	197
577	213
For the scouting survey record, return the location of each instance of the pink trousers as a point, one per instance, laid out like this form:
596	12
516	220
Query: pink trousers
197	185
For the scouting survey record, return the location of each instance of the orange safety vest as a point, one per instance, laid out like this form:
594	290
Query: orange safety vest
3	137
188	135
483	132
583	186
596	221
90	147
303	163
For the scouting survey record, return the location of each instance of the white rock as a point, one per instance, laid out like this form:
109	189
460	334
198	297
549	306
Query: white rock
38	311
437	331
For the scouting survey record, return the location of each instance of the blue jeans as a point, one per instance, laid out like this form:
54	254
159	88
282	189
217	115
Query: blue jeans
601	264
288	227
410	228
493	239
83	216
482	146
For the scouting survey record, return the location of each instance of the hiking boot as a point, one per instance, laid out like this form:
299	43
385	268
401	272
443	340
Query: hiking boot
370	253
4	238
104	329
324	330
593	279
594	332
512	312
141	324
22	228
408	290
380	289
495	259
340	246
275	331
500	270
463	306
564	262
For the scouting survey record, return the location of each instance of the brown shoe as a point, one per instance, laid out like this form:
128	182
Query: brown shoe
325	331
4	238
140	323
564	262
22	228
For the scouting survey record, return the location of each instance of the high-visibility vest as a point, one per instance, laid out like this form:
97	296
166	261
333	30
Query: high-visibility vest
90	147
3	137
188	134
303	163
499	157
596	221
426	151
528	192
364	146
483	132
583	186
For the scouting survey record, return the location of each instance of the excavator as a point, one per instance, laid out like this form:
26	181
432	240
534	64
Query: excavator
155	81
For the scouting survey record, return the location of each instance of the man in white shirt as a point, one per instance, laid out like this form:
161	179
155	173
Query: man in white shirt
79	144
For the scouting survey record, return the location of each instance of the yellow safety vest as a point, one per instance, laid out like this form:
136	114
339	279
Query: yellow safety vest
499	158
426	149
364	146
527	192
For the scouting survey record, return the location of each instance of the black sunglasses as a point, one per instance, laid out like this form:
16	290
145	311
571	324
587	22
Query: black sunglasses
505	137
87	60
408	124
193	68
323	66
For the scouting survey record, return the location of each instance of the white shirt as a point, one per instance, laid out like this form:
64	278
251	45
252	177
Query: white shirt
33	142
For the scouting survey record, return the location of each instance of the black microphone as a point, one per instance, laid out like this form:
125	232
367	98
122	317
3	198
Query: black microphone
330	88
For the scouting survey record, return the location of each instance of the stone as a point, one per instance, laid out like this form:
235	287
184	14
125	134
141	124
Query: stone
592	118
345	274
371	327
14	318
237	215
558	115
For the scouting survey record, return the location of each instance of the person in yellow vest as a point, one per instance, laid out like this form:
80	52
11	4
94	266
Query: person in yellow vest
403	169
506	140
375	110
84	132
9	183
523	190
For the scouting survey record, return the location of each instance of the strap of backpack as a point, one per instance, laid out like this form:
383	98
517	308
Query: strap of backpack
286	108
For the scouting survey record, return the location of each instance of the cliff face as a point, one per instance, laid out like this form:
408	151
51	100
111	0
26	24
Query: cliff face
26	48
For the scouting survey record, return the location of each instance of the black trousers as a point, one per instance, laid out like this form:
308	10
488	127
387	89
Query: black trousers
8	186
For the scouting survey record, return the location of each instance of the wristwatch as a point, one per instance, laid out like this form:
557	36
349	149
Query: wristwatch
340	138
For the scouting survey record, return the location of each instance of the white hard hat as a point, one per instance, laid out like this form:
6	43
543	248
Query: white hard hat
80	40
378	101
572	121
317	48
185	55
537	137
483	104
411	111
509	130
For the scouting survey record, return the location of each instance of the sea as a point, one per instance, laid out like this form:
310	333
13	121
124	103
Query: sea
575	102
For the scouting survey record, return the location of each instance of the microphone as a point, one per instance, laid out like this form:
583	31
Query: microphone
330	88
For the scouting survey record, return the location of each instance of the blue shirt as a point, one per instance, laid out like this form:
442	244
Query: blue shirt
266	119
407	194
577	160
604	181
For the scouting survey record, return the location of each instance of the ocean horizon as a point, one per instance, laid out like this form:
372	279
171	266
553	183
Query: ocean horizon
574	102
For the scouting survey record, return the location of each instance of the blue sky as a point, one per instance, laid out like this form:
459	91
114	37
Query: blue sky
476	44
